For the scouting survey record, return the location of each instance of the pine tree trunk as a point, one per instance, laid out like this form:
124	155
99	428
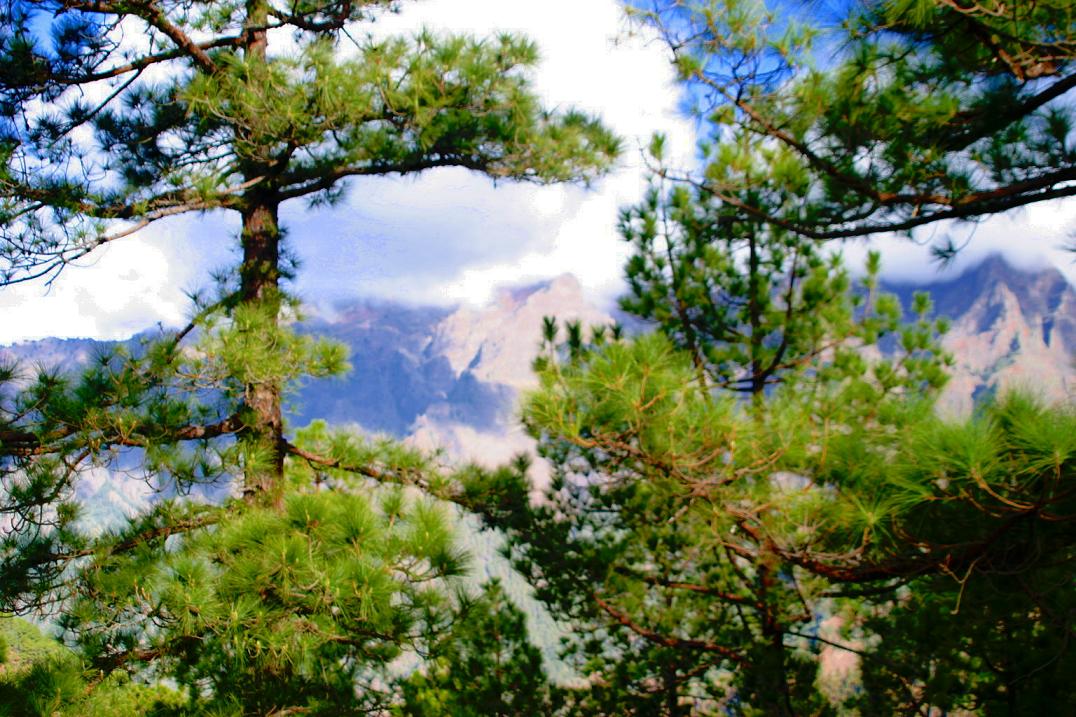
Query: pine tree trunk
778	700
672	691
776	697
754	309
259	283
259	278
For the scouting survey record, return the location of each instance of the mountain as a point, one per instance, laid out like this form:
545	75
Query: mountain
1011	328
444	378
450	378
395	377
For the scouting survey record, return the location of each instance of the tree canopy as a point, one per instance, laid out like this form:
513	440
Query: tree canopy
119	115
885	115
713	556
246	582
708	552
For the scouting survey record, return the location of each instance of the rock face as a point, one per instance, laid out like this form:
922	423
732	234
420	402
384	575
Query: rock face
497	344
1010	329
394	378
451	378
492	349
429	371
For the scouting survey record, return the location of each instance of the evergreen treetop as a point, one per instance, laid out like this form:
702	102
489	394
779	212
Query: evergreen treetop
887	115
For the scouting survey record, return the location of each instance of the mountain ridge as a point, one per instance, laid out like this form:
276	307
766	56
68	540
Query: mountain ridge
1011	328
451	377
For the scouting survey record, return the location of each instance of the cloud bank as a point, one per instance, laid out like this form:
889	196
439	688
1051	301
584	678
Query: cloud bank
449	236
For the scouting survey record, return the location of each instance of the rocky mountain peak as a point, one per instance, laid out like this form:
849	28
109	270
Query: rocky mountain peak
497	343
1041	294
1011	328
453	376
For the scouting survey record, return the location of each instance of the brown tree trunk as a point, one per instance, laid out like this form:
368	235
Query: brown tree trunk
256	39
754	310
672	691
776	695
259	283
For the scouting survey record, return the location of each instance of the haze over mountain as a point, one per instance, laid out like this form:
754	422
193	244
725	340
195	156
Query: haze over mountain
447	379
451	378
1011	328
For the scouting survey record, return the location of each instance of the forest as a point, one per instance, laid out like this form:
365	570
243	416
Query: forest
753	506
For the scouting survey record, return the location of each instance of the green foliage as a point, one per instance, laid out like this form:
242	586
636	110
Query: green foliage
699	546
43	679
26	644
696	543
639	539
484	665
262	610
756	306
680	527
43	688
880	116
988	631
229	121
173	408
248	606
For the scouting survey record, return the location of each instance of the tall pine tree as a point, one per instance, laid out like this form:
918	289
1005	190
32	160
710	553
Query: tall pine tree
265	595
119	115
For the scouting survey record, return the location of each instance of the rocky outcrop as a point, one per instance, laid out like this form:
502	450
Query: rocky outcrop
452	378
497	343
447	379
1010	329
494	347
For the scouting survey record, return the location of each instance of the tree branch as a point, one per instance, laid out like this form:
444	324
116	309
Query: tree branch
668	640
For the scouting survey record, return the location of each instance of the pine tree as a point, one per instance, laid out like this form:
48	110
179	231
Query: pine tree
484	666
894	114
696	545
706	553
988	631
104	136
701	546
267	593
664	534
680	527
754	305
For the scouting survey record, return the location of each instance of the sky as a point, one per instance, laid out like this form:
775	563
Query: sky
449	236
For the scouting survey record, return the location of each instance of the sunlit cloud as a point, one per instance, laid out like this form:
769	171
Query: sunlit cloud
450	236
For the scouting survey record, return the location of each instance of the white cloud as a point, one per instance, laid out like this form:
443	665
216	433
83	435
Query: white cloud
1031	238
451	236
445	236
117	291
448	236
